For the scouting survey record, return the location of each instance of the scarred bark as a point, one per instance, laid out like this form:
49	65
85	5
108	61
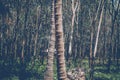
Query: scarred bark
61	70
49	69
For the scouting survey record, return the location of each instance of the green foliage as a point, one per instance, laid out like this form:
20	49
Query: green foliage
11	78
100	70
107	76
36	68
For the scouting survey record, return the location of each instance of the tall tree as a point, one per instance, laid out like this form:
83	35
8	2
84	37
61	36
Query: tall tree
74	8
92	54
59	41
96	43
49	69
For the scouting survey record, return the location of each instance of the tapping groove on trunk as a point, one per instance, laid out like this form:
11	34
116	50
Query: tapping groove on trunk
61	70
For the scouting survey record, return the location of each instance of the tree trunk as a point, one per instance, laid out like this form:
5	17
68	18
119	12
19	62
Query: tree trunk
49	69
98	32
91	52
61	69
37	27
72	25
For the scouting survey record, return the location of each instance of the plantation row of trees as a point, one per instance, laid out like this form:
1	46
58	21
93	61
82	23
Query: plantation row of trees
36	35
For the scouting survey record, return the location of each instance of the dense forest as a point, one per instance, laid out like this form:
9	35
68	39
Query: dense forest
59	39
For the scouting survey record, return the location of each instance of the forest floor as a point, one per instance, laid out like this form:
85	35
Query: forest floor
36	71
101	71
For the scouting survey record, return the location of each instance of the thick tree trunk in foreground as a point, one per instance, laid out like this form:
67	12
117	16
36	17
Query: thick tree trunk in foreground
49	69
61	70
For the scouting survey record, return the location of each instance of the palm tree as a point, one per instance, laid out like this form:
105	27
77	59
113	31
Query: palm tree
49	69
61	70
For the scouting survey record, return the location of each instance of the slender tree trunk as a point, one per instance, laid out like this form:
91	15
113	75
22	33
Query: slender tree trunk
98	32
72	25
104	38
91	48
61	69
113	19
49	69
111	38
15	28
91	55
23	45
37	27
117	45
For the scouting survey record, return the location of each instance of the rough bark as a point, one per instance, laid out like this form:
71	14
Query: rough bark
49	69
61	70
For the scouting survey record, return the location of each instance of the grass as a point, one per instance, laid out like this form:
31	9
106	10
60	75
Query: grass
101	73
100	70
37	70
106	76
